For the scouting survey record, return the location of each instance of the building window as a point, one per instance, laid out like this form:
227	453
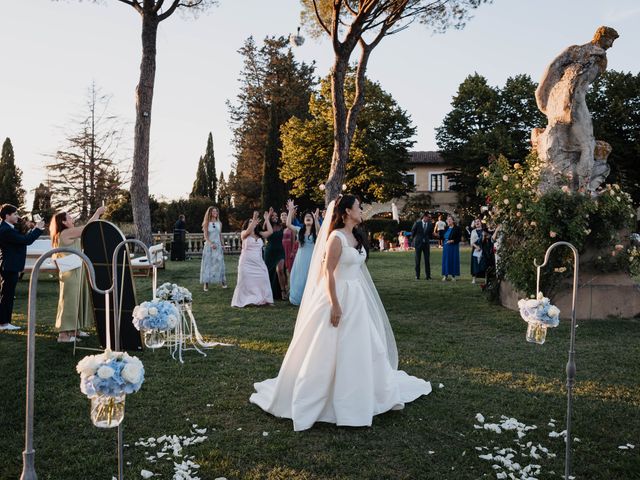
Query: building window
410	178
437	182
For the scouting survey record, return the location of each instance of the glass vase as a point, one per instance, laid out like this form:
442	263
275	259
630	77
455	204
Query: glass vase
155	338
106	411
536	332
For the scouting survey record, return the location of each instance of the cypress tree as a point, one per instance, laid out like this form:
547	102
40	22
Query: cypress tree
200	184
11	190
210	169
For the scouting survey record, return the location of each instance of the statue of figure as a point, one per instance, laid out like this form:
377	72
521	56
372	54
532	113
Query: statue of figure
566	147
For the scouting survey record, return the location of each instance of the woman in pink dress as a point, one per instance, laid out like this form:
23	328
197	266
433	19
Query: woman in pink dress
253	287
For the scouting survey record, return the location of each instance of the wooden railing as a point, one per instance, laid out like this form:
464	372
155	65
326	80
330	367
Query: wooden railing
195	242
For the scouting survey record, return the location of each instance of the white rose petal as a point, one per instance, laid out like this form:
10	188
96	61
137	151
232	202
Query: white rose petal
153	311
132	372
146	474
105	372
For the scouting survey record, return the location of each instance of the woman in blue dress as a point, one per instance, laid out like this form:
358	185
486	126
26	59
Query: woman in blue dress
451	251
212	269
306	237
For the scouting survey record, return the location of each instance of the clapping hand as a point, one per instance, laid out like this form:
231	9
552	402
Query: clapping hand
255	216
290	205
316	214
267	215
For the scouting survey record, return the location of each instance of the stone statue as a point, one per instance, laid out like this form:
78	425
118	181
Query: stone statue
566	147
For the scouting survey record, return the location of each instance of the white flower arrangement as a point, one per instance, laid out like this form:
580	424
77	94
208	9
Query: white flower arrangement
174	293
155	315
539	310
110	374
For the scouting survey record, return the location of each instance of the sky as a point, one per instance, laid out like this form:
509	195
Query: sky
51	52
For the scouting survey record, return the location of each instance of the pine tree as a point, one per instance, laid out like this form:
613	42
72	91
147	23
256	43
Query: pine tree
85	173
273	189
11	190
200	184
210	169
273	86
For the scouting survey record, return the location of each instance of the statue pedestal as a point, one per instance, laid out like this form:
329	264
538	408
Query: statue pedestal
600	295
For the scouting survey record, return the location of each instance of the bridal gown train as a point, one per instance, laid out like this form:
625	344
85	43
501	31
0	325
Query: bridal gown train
346	374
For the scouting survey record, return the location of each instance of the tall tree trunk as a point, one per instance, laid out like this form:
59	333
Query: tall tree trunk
341	140
144	99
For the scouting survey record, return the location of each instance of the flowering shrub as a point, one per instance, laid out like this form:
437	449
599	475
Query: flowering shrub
530	222
174	293
110	374
155	315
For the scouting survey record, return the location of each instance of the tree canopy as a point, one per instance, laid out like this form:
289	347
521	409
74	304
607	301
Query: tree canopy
379	153
11	190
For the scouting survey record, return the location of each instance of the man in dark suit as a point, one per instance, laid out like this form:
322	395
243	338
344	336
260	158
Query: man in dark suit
13	254
421	235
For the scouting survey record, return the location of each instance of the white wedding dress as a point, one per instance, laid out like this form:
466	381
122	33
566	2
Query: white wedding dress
346	374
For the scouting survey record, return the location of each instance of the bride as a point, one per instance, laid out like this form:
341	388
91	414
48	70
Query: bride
342	364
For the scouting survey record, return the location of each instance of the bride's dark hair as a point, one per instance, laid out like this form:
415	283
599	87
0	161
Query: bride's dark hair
337	220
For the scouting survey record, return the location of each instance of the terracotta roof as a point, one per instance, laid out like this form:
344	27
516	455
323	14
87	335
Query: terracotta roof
429	158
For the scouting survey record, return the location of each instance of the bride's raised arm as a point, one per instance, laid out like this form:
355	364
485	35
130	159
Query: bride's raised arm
334	249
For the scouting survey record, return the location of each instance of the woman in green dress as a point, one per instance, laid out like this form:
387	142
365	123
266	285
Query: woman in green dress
74	304
274	257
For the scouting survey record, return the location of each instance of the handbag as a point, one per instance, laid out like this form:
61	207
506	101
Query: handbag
68	263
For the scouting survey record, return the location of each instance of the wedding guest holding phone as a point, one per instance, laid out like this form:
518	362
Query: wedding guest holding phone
475	240
74	303
13	254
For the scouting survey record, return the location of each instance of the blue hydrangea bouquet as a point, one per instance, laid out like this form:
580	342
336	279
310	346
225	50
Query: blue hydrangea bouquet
106	379
540	314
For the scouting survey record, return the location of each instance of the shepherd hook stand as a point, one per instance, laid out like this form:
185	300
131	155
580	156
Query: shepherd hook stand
571	364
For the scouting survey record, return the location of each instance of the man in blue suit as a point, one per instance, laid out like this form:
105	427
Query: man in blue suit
421	235
13	254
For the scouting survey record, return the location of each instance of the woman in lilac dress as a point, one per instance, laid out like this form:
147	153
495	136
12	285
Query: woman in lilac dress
253	287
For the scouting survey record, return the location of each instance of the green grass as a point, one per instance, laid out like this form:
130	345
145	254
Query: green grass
446	333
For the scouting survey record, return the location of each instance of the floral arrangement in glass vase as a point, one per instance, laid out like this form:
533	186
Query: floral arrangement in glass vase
174	293
106	379
540	314
154	319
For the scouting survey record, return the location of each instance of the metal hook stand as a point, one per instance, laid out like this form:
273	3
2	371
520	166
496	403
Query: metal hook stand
571	363
28	455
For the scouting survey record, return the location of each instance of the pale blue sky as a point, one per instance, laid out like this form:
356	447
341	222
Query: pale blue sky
52	51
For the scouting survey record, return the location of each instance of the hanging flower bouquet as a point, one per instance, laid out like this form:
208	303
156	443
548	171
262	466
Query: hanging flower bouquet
106	379
154	319
174	293
540	314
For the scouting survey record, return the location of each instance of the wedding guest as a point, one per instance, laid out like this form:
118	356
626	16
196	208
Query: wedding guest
451	250
306	237
290	246
475	240
274	256
179	240
13	255
74	304
212	269
421	233
253	287
440	228
405	241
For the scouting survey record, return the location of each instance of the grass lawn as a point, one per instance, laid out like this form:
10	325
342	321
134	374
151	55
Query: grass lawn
446	333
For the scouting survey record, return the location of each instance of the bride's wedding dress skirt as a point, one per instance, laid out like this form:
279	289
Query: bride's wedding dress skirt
339	375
